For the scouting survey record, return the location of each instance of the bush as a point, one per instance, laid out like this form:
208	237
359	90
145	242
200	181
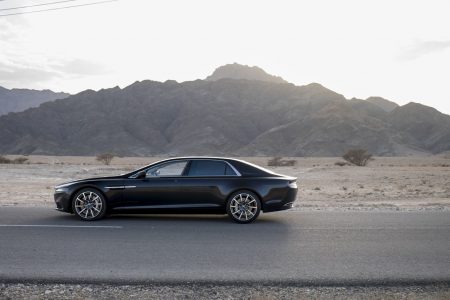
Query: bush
358	157
280	162
341	163
105	158
18	160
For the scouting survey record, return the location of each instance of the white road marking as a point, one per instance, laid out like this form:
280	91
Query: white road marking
61	226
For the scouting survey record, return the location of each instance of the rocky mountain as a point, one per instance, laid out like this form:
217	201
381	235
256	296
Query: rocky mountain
16	100
238	117
238	71
383	103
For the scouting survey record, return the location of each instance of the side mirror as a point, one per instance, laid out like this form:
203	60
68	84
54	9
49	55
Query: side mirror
141	175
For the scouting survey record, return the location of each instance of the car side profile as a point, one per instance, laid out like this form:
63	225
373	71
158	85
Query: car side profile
210	185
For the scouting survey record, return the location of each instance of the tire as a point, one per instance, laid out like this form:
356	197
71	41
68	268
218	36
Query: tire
89	204
243	207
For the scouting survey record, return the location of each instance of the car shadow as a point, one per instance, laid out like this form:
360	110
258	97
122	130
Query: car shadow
187	218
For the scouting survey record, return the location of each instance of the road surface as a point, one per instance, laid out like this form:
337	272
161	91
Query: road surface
304	248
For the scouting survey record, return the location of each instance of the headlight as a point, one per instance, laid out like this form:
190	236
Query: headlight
293	184
60	189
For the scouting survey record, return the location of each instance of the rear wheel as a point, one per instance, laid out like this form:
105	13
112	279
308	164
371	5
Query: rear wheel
89	205
243	206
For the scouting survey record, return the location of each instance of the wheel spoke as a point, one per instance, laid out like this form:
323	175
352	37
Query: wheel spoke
243	207
88	205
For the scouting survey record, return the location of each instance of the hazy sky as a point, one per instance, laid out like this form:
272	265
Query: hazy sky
399	50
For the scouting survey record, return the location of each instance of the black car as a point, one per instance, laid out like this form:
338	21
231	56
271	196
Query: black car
182	185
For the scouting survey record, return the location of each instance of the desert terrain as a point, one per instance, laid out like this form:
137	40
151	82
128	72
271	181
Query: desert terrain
387	183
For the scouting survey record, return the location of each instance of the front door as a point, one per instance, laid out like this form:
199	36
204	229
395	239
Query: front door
159	188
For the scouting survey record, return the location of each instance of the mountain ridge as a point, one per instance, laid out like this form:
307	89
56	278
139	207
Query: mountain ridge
19	99
237	117
238	71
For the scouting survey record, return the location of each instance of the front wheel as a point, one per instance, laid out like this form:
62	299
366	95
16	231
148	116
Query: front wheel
243	207
89	205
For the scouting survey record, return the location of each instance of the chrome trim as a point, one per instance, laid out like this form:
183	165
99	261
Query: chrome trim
205	205
115	187
129	186
238	174
234	169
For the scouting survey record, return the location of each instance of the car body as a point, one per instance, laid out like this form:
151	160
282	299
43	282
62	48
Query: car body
181	185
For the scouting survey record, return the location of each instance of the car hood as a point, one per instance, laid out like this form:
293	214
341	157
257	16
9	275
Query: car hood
65	184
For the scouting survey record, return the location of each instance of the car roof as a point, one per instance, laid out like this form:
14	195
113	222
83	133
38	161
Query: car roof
243	167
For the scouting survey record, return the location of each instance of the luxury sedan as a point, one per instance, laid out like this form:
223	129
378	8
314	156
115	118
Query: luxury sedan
182	185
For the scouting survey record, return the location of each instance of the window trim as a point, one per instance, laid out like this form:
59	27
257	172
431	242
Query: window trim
161	164
187	167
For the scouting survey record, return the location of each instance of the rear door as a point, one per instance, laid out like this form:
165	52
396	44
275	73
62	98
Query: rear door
205	183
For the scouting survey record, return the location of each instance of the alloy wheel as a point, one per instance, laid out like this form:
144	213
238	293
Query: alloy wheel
243	207
88	205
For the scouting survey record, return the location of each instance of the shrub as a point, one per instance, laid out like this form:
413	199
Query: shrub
358	157
18	160
280	162
105	158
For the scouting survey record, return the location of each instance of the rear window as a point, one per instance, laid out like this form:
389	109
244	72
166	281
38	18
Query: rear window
209	168
249	169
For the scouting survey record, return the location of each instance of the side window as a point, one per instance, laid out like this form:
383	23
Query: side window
230	171
209	168
169	169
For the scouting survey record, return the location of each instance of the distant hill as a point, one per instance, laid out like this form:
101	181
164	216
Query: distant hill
16	100
383	103
237	71
238	117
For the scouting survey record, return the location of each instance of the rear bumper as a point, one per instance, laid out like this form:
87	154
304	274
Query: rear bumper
284	203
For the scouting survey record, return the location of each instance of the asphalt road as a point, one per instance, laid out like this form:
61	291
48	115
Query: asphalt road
310	248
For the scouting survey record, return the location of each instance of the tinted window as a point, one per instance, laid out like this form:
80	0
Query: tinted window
169	169
229	171
209	168
248	169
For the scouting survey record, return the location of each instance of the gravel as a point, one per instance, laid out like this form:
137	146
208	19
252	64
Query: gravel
193	291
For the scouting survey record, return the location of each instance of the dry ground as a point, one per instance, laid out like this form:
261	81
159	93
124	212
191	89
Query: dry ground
400	183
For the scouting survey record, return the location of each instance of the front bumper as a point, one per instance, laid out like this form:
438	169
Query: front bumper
62	201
